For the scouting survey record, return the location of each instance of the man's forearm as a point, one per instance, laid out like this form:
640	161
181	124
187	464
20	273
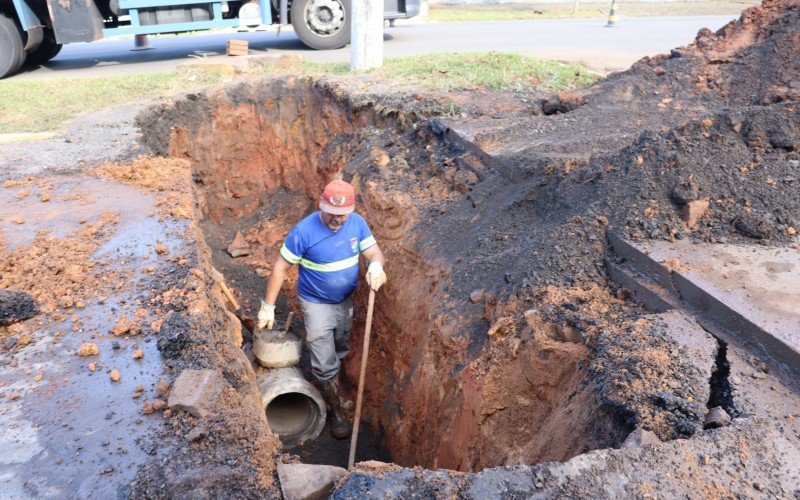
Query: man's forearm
374	254
275	282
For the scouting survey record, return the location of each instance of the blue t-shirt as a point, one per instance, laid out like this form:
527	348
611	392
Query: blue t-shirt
328	259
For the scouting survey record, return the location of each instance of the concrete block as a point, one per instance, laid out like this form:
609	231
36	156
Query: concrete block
751	291
196	391
307	482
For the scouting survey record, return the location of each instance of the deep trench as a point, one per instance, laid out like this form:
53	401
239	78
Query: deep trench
259	162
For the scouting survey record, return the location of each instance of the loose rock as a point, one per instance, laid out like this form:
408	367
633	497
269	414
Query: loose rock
692	211
717	417
16	307
239	246
305	481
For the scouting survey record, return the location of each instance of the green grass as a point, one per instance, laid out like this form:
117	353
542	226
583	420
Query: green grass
493	70
44	105
511	12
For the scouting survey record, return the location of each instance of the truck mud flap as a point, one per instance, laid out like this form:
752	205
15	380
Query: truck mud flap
75	20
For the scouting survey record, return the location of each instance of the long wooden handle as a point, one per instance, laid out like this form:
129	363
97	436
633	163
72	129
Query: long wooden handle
220	279
229	295
364	354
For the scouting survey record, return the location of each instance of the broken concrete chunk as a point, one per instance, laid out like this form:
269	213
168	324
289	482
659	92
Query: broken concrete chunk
693	211
717	417
196	391
239	246
16	307
306	481
638	438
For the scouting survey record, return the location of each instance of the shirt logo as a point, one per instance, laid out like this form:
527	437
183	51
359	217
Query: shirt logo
337	201
354	244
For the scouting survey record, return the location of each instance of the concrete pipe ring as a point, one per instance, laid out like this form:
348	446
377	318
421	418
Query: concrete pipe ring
294	408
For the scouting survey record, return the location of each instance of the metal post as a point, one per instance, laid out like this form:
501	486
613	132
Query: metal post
612	15
366	35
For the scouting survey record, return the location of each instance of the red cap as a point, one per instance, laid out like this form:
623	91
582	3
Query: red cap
338	198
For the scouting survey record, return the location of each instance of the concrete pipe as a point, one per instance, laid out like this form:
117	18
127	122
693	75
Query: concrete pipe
276	348
295	409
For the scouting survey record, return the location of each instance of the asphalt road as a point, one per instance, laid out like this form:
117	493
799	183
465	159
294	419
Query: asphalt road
585	41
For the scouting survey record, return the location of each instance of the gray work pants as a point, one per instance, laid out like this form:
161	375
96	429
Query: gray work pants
327	330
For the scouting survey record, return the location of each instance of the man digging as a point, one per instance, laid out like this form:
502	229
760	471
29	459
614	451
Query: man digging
327	245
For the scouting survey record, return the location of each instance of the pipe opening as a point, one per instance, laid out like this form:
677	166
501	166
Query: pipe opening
292	415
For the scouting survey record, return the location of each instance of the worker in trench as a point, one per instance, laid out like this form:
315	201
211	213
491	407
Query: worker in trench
327	245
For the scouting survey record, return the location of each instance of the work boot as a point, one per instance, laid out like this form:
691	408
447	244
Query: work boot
347	404
340	427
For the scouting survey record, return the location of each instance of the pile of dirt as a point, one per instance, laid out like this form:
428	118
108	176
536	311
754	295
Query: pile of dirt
49	263
167	176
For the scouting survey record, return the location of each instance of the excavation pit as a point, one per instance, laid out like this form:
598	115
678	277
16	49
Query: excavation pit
436	395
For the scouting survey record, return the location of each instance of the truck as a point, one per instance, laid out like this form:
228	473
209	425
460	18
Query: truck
33	31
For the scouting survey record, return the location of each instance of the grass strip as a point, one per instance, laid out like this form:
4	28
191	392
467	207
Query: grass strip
444	13
493	70
41	106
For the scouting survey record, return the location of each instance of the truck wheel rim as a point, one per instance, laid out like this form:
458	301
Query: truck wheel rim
325	17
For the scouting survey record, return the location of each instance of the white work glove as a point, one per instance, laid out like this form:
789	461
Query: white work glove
375	275
266	316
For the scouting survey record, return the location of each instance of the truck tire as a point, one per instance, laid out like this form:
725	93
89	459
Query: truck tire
12	53
322	24
47	50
